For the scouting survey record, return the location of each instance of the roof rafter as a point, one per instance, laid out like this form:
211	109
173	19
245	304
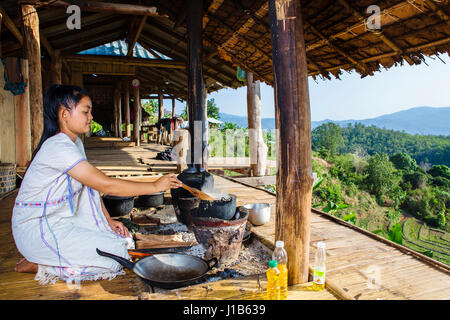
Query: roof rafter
389	42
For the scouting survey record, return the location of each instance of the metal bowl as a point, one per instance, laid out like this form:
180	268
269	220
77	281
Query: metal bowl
258	213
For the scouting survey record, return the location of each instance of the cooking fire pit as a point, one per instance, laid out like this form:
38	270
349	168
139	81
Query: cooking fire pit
222	239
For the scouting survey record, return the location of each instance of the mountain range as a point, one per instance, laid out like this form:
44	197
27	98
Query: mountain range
417	120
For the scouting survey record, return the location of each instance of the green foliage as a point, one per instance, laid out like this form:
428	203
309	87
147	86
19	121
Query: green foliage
382	177
440	171
151	107
416	180
327	136
423	149
95	126
350	218
395	233
212	109
403	161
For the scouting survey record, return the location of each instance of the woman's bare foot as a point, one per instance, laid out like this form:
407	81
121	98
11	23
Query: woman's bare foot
26	266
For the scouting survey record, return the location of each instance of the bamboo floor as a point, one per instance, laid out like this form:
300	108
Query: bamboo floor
358	266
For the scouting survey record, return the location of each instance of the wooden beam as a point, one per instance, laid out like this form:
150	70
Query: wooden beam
438	11
196	85
9	24
56	67
391	54
94	6
389	42
160	106
135	36
293	121
22	120
173	107
126	60
363	68
136	119
126	106
30	21
258	149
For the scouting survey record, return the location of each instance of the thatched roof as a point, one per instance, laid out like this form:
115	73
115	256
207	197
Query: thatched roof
237	33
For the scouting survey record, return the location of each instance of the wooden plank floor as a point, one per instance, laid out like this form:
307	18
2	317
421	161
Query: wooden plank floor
353	258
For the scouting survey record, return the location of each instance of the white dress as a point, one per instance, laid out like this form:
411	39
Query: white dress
58	223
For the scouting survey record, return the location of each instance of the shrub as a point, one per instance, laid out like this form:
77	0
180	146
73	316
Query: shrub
440	171
403	161
381	175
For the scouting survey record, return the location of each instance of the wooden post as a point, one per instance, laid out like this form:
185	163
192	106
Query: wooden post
30	21
293	117
258	149
126	107
117	112
136	120
160	105
173	107
56	67
196	85
22	119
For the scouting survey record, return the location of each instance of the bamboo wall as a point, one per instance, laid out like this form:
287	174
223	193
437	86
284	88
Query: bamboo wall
7	123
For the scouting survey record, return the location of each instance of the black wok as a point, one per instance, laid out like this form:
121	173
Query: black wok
166	270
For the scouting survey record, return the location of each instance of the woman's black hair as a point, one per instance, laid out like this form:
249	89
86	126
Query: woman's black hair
58	96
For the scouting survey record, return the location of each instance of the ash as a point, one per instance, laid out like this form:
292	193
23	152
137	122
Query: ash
253	257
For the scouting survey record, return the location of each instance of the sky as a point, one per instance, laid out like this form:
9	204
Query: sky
396	89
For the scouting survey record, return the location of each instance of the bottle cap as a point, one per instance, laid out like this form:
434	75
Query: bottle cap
321	245
279	244
273	263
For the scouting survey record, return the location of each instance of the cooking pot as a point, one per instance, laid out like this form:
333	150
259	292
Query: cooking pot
150	200
224	208
166	270
198	180
118	206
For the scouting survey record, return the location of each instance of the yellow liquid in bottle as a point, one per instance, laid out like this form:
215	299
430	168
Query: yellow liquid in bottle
283	281
319	280
273	287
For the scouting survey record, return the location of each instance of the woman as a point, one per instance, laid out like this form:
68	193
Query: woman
59	218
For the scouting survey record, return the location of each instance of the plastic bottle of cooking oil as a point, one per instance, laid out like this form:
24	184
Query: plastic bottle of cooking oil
280	255
273	286
319	267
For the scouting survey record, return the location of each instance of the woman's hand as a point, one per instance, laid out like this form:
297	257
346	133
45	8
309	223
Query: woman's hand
169	181
118	228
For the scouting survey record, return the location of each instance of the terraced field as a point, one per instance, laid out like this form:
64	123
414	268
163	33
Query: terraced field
421	238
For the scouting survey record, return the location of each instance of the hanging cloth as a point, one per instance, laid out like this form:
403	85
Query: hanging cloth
13	75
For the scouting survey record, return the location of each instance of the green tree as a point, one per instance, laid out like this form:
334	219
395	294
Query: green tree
381	175
328	136
403	161
212	109
151	108
440	171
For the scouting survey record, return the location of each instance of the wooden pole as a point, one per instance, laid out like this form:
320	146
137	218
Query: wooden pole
22	119
258	149
126	107
117	115
196	85
136	120
292	113
30	21
56	67
160	106
173	107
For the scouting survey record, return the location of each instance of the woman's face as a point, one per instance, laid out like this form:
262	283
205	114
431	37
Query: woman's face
78	121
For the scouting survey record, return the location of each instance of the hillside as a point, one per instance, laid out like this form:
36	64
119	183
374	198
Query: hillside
418	120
